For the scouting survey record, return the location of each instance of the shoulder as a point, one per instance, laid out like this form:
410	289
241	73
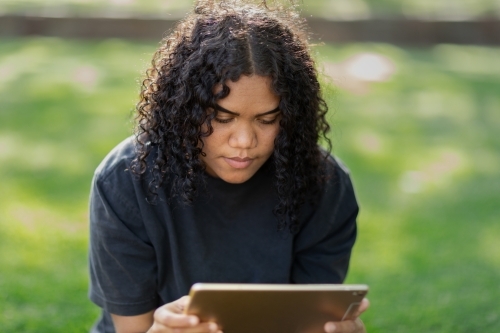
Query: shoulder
115	186
337	193
335	170
113	177
116	164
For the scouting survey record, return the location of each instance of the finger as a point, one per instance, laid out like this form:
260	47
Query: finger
165	316
200	328
184	300
179	305
365	304
347	326
207	327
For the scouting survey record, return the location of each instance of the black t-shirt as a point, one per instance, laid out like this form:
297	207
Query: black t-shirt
143	255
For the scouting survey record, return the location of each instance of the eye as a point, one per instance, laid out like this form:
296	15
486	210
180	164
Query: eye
223	120
268	120
221	117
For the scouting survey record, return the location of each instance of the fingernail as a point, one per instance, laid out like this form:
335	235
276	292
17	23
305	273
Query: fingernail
193	320
330	327
212	327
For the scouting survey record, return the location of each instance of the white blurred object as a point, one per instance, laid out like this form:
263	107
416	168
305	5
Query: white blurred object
356	73
369	67
86	76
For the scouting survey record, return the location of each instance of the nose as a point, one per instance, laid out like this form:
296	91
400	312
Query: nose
243	137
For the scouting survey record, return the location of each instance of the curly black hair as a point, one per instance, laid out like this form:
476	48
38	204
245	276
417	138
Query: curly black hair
220	41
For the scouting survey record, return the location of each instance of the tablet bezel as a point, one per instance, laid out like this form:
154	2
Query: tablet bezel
274	308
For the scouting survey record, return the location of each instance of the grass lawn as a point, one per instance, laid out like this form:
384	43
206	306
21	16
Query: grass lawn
423	149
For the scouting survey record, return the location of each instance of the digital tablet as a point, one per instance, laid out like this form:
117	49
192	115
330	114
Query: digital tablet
274	308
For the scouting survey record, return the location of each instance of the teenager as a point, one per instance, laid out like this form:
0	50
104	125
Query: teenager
223	180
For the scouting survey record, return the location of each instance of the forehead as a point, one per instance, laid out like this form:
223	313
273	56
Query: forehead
250	93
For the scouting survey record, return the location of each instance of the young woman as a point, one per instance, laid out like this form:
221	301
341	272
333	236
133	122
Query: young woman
224	180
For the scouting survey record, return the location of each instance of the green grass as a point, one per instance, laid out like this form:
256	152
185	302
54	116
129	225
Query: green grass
63	106
422	148
431	256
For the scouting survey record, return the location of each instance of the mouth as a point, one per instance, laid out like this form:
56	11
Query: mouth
238	163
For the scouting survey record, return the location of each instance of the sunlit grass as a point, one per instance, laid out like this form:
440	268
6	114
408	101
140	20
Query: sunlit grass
424	155
64	105
422	148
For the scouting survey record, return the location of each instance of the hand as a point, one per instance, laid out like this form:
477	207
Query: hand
170	318
354	325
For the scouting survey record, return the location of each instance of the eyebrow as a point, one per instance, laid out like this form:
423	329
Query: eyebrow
220	108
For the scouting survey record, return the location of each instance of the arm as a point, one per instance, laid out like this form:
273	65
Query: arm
168	318
133	324
323	246
122	261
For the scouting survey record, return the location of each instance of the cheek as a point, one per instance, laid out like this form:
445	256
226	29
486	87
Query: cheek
213	142
271	136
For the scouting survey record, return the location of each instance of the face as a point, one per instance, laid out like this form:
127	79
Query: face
244	130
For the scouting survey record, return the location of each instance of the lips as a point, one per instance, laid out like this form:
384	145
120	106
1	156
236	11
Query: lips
238	163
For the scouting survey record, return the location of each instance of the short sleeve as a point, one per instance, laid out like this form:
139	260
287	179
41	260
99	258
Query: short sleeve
122	261
322	248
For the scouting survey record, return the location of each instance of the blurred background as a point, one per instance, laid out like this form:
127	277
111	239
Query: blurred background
414	93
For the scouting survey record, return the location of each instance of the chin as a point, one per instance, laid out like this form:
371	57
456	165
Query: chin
236	179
